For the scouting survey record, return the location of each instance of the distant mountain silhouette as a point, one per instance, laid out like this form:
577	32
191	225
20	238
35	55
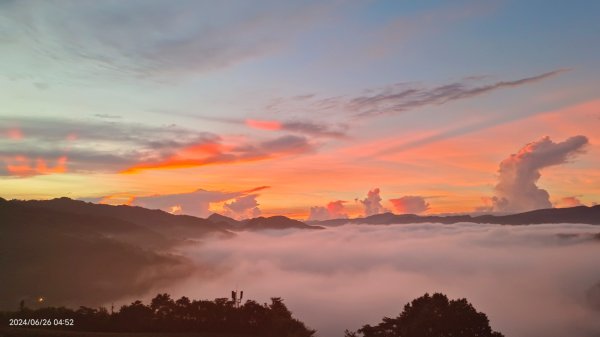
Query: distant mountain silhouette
260	223
225	222
276	222
579	214
167	224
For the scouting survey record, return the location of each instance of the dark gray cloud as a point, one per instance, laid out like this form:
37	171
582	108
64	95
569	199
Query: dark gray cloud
404	97
287	143
304	127
212	153
89	145
104	146
316	129
53	129
517	188
397	98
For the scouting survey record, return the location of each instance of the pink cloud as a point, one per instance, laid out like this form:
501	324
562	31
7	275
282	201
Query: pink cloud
372	203
333	210
410	204
336	209
216	153
263	125
569	202
22	166
14	134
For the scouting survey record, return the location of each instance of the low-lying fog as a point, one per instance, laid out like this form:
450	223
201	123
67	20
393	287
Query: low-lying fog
541	280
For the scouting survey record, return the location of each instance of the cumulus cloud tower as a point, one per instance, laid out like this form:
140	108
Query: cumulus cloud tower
372	203
517	188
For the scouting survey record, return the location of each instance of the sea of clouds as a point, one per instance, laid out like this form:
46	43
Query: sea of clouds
539	280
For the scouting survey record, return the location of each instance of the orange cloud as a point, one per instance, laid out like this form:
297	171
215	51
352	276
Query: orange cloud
190	156
177	163
204	149
264	125
118	199
212	153
24	167
176	209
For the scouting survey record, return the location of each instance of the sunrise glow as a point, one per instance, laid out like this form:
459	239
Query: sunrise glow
430	135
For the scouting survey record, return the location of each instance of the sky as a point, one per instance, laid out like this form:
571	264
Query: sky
310	109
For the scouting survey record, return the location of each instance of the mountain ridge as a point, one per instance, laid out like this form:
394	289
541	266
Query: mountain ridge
579	214
259	223
186	226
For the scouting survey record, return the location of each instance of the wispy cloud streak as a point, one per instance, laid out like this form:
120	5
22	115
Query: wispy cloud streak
403	98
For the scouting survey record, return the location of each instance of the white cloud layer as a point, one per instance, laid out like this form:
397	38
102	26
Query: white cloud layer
531	281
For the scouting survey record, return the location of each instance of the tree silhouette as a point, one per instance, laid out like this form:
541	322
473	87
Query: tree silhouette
281	322
164	314
134	317
432	316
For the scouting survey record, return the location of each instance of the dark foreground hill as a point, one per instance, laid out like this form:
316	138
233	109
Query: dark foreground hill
580	214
